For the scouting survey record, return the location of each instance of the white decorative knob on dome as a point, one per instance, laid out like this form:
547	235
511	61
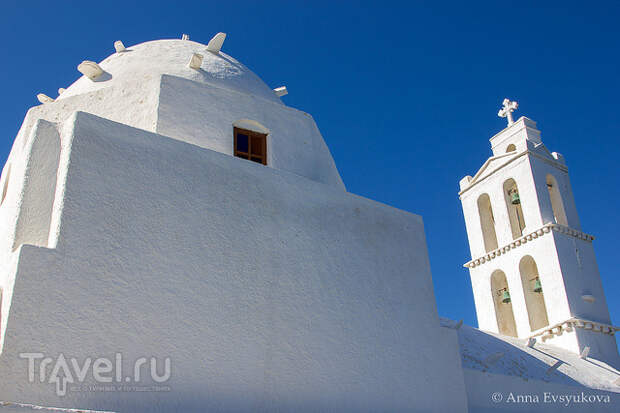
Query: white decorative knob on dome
43	98
90	69
215	44
196	61
119	46
281	91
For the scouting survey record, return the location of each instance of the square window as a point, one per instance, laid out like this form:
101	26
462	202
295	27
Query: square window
250	145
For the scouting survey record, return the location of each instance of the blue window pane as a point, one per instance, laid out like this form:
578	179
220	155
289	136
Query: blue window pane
242	143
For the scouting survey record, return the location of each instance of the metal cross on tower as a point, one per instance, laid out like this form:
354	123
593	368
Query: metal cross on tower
506	111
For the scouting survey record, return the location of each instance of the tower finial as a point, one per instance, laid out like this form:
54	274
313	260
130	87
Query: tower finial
507	109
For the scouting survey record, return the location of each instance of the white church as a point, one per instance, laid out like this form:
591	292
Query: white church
174	238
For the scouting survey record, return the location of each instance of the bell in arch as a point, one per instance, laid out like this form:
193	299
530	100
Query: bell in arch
537	286
506	297
514	197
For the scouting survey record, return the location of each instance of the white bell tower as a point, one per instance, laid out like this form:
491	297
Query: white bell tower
533	270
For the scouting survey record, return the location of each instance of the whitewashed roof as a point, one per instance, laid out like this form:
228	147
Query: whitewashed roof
497	354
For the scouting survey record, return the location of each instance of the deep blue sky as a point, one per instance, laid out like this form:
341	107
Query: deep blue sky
405	94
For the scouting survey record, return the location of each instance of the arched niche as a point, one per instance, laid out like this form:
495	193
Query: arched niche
503	310
511	148
487	222
5	184
513	204
534	296
559	214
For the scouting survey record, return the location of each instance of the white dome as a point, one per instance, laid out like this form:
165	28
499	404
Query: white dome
152	59
152	87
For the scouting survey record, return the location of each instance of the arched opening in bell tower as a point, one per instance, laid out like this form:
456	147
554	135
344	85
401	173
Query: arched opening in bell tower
533	292
503	304
559	214
487	222
513	204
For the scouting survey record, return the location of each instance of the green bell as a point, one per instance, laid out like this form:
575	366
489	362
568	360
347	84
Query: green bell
514	198
537	286
506	297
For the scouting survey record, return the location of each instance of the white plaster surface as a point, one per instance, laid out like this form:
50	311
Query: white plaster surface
204	115
522	370
10	407
267	290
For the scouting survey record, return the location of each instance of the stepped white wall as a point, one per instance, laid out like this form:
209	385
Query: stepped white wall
267	290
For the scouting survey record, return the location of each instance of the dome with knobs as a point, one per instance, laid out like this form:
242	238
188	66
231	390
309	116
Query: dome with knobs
152	59
197	94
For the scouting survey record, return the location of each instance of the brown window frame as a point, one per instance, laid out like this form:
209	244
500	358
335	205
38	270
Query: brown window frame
252	135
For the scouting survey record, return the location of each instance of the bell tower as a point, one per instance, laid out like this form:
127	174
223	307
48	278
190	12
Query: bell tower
533	270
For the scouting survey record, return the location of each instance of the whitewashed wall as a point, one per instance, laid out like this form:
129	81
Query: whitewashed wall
204	115
267	290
